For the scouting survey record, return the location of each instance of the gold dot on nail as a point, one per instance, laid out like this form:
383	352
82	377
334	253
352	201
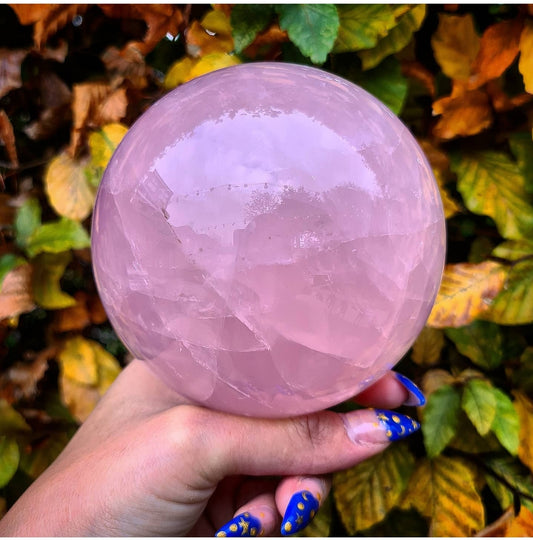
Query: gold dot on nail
375	424
288	527
221	533
253	531
319	497
312	514
246	514
395	419
389	433
300	506
233	528
261	514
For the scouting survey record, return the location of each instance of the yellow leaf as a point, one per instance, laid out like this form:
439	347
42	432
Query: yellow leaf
449	204
524	407
211	35
212	62
104	142
427	347
455	45
465	293
365	493
16	293
78	362
525	64
87	371
178	73
67	188
48	270
522	525
444	490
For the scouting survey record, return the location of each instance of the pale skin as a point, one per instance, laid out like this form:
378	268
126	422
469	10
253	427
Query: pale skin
147	462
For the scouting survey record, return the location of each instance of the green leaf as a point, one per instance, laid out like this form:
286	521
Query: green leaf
481	341
506	424
513	250
247	20
510	472
48	269
11	421
479	403
9	459
444	490
27	220
514	304
386	83
441	415
8	262
398	37
57	237
492	185
362	25
468	439
522	148
311	27
502	493
365	493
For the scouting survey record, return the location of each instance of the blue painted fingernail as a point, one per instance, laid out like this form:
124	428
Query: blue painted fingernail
242	525
301	509
397	426
416	397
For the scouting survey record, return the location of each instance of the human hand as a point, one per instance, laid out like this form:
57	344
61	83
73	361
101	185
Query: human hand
148	462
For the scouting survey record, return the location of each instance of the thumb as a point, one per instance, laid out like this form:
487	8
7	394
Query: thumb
313	444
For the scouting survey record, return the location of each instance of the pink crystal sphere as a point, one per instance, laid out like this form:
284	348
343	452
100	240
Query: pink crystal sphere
269	238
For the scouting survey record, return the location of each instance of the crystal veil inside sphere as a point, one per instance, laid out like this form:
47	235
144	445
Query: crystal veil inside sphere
269	238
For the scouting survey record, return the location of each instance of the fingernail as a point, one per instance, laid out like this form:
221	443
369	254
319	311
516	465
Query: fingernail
377	426
301	509
416	397
242	525
397	426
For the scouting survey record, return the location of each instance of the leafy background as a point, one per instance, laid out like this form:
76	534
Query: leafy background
74	77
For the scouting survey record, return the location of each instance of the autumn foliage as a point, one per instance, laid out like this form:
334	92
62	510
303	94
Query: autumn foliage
73	78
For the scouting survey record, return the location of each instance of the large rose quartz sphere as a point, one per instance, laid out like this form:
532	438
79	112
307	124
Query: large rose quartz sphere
269	238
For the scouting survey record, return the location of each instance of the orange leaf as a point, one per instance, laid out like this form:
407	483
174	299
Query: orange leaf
498	49
524	407
7	137
10	62
501	102
525	64
465	112
522	525
16	293
415	70
465	293
272	37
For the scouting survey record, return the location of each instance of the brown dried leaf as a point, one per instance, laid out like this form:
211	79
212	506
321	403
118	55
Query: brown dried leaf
126	64
455	44
434	379
465	293
96	310
415	70
46	18
160	19
20	380
272	36
75	317
7	138
94	105
465	112
16	293
55	98
498	49
501	102
10	62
